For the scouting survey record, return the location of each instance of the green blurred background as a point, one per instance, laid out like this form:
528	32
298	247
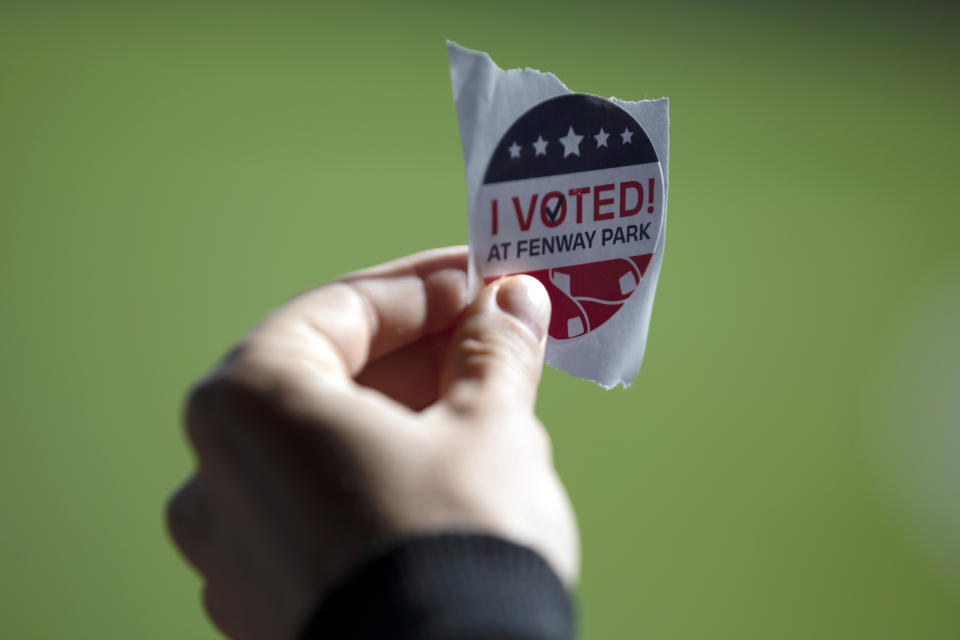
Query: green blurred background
786	465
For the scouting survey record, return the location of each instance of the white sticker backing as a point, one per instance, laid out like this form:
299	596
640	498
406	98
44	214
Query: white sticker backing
569	188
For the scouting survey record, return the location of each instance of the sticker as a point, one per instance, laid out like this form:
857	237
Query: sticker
574	194
571	189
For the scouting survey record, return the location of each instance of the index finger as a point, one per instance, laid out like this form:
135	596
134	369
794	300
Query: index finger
366	314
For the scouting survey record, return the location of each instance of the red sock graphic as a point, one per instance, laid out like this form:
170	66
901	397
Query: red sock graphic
587	295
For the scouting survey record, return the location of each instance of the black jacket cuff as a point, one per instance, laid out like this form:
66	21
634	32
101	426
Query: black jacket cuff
451	587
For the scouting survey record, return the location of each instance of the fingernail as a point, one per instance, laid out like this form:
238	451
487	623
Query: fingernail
525	299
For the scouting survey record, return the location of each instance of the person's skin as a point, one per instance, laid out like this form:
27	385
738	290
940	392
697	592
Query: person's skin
382	405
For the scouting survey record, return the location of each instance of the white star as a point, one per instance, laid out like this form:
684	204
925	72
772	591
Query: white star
602	138
514	150
571	143
540	145
626	135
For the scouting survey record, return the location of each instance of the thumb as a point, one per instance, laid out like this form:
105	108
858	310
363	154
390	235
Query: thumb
495	356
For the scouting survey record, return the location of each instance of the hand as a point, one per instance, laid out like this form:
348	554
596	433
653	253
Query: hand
365	410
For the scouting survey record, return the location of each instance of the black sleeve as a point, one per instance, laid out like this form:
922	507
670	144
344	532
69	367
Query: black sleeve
448	587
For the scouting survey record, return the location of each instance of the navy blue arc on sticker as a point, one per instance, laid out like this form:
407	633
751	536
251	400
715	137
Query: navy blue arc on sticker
569	134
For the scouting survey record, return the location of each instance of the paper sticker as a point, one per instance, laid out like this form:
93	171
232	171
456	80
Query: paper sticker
571	189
